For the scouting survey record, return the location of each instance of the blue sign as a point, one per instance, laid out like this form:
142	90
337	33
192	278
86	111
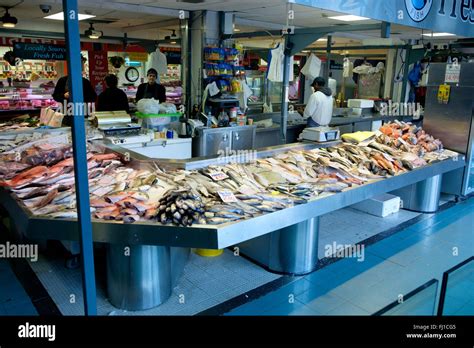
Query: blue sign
418	10
446	16
39	51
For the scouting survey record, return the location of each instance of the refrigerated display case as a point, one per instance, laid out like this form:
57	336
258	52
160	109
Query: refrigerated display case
453	122
16	98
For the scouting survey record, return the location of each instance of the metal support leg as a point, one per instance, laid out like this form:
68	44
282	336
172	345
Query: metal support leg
423	196
291	250
142	277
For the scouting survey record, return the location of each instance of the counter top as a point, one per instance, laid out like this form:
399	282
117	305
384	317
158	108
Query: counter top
341	121
215	236
338	121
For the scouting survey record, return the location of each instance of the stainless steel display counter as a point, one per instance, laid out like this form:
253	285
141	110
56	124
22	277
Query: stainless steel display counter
212	141
292	245
270	136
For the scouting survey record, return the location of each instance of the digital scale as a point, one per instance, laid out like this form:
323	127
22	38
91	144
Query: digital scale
320	134
126	134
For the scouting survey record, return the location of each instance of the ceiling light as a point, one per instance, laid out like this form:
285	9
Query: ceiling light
60	16
8	21
322	39
305	51
172	38
91	33
236	30
438	34
349	18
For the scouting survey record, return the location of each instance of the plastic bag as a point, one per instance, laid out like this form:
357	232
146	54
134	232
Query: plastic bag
167	108
312	68
148	106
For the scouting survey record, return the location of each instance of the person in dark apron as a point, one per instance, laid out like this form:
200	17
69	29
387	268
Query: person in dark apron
61	94
151	89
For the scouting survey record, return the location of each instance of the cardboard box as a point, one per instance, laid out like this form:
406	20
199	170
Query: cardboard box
381	206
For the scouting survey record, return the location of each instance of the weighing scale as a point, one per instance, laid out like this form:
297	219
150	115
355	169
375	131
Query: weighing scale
116	126
320	134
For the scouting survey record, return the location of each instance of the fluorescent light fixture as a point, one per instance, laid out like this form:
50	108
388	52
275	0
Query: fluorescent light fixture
349	18
60	16
438	34
236	30
323	39
305	51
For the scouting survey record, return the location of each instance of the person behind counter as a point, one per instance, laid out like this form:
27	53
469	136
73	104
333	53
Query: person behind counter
320	105
151	89
113	98
61	92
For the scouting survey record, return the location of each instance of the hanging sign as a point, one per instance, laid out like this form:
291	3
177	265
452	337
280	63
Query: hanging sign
98	70
38	51
446	16
138	56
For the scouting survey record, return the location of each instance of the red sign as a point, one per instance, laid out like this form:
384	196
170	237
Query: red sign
98	70
9	41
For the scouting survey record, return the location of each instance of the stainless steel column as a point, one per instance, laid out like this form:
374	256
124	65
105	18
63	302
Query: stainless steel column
142	277
291	250
423	196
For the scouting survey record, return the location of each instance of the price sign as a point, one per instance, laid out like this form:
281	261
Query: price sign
453	72
218	176
444	92
227	196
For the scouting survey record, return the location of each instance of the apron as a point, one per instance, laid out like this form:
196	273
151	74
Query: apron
147	94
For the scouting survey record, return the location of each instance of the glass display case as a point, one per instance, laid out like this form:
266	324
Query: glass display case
256	82
16	98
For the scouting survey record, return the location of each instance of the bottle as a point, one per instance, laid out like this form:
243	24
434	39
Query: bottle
209	117
223	119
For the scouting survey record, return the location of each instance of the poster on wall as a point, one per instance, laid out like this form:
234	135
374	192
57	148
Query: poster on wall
98	70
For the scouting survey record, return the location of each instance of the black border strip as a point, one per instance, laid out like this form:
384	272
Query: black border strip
444	284
407	296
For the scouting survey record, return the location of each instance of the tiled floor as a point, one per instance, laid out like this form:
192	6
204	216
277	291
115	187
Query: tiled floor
205	283
392	267
13	300
338	226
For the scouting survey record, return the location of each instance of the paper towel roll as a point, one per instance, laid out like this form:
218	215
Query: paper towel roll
103	121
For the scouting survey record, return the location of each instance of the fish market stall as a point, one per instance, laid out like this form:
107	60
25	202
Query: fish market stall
157	210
